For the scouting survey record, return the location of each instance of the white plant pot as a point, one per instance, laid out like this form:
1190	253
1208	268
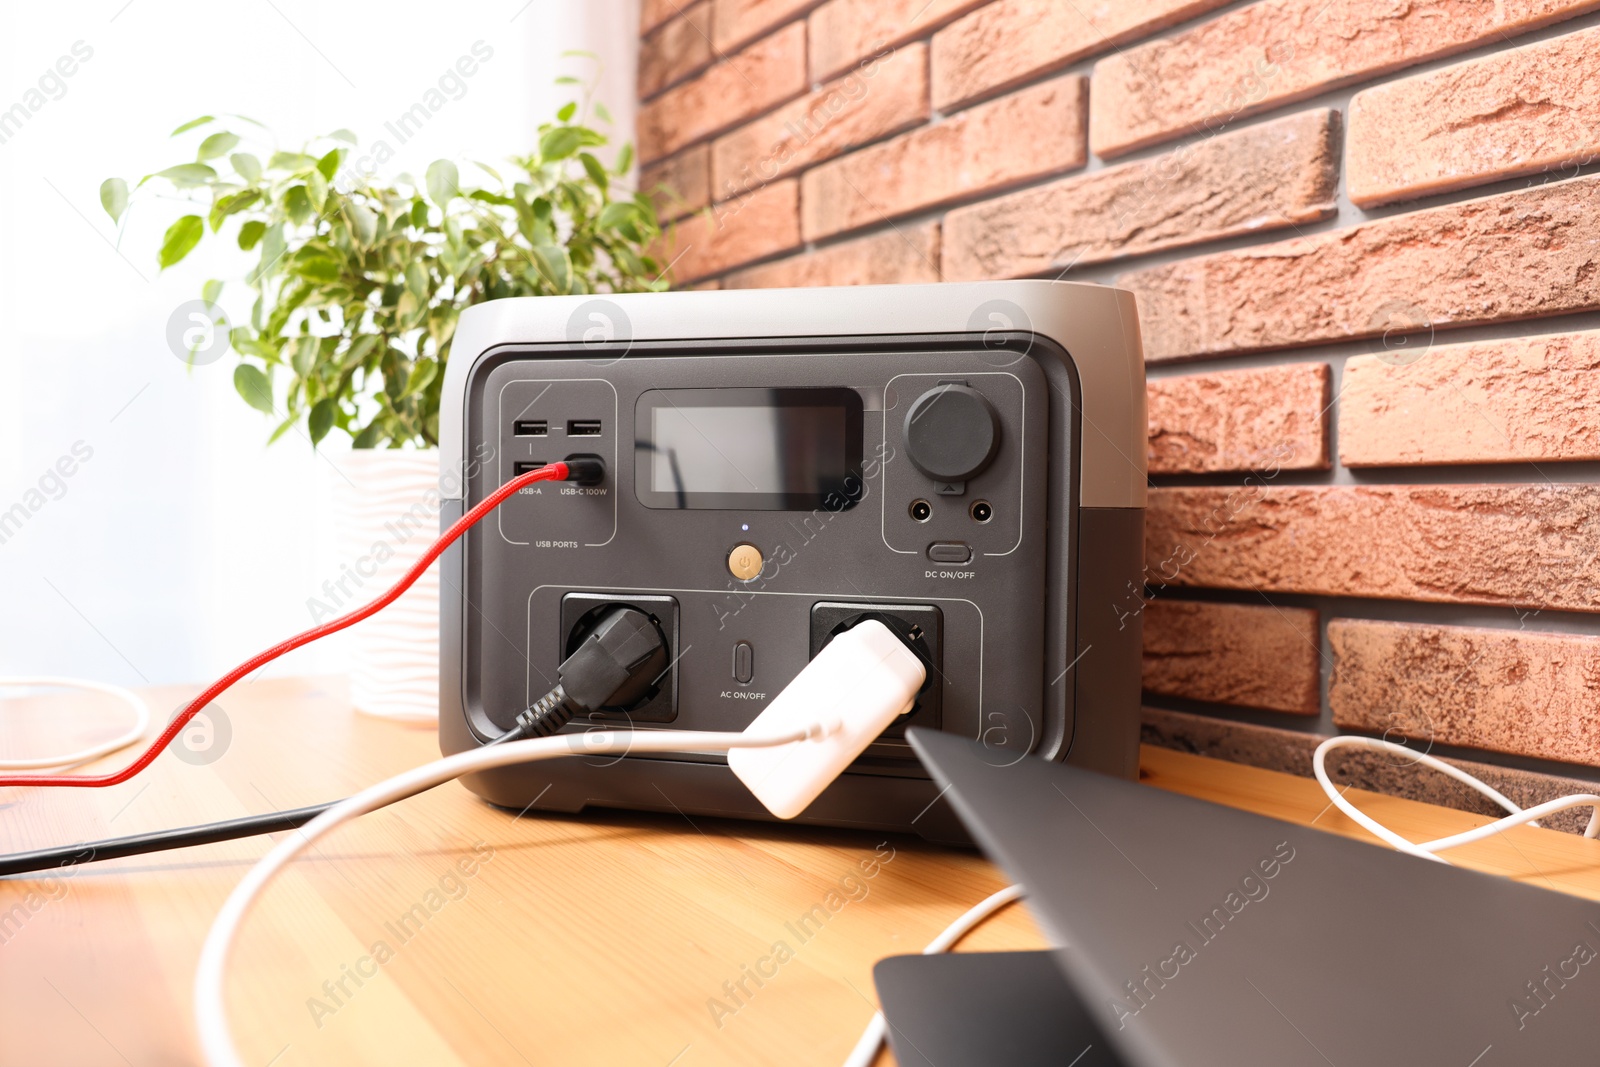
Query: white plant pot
386	513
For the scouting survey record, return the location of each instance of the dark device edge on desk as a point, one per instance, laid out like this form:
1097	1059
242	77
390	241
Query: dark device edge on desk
1298	946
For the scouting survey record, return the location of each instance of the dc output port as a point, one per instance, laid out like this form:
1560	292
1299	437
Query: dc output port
921	510
981	511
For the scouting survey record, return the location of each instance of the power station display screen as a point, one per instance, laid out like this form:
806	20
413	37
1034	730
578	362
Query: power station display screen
750	449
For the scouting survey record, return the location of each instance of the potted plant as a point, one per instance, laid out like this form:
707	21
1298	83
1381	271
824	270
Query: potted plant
358	284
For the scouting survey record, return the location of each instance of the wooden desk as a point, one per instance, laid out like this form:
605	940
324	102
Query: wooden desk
602	940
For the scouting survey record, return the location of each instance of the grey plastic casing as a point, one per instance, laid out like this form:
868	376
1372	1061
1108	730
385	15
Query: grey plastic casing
1039	653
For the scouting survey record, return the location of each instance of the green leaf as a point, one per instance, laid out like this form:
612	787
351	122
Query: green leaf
363	222
297	203
303	358
247	166
211	291
374	361
601	112
491	198
566	113
347	136
230	204
191	124
559	143
283	427
422	376
444	181
442	325
218	144
407	309
369	437
395	373
253	384
294	162
417	279
624	160
114	197
328	165
358	350
247	343
250	233
596	171
320	420
187	175
180	239
317	189
272	249
555	265
616	214
319	269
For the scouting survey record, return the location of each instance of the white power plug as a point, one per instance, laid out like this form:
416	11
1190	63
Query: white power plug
859	683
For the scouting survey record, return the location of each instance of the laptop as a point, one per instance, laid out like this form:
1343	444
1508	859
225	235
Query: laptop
1193	935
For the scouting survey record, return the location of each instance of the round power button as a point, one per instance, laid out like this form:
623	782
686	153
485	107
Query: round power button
744	562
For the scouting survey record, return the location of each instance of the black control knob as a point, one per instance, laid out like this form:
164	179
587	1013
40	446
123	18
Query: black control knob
952	433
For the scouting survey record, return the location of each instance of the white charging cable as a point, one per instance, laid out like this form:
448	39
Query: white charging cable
866	1049
1427	849
141	720
216	1038
838	704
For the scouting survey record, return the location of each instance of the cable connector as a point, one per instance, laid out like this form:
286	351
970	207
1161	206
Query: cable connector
858	684
540	719
584	469
616	665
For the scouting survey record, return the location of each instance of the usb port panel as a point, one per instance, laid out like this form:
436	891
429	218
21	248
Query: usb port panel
583	427
531	428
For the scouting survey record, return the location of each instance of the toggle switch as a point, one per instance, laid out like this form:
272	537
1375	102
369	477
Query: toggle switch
744	662
950	552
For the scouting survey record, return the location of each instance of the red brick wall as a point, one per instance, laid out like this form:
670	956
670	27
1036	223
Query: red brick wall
1365	239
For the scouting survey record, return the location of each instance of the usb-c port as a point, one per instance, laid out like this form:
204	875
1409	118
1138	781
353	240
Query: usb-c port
583	427
531	427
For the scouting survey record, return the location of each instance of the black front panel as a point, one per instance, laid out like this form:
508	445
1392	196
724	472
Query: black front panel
805	456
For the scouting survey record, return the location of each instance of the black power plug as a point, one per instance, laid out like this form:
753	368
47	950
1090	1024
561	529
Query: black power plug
618	662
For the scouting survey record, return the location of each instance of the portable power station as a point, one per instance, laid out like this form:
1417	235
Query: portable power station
964	463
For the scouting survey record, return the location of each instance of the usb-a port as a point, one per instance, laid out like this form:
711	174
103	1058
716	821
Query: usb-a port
523	466
583	427
531	427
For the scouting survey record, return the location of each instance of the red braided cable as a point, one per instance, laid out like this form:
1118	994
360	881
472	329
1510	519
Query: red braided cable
550	472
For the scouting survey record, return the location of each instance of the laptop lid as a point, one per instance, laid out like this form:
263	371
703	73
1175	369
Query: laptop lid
1210	936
